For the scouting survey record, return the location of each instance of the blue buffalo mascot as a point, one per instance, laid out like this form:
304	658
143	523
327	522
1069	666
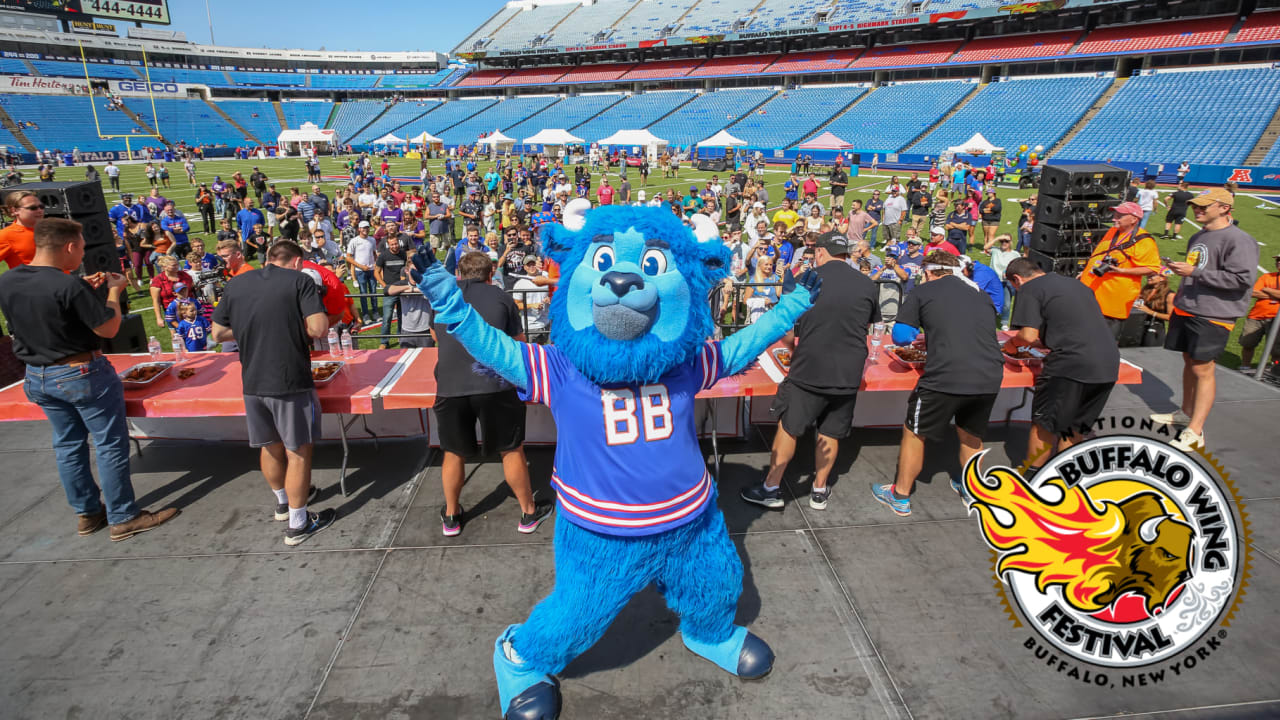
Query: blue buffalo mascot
630	323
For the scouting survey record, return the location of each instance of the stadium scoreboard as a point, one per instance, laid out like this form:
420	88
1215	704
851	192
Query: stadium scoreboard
144	11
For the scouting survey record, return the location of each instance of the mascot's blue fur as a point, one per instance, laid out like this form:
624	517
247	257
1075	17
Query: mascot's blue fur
631	308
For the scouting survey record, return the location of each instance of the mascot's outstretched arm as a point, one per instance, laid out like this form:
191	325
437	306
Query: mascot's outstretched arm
487	344
745	345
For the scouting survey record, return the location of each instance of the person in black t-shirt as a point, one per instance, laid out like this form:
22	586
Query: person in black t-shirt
1060	315
517	242
57	324
962	373
273	314
390	269
829	351
465	397
1177	204
839	182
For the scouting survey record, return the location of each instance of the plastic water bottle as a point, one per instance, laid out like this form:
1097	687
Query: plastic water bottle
153	347
332	340
346	340
179	349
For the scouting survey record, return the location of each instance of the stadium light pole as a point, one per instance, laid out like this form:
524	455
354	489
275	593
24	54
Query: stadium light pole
209	15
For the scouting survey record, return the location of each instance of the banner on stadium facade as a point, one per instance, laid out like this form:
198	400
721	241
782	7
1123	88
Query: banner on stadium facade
28	84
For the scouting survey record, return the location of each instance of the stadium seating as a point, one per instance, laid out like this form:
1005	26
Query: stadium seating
445	116
791	116
532	23
565	114
734	65
649	18
717	16
1156	36
1016	47
302	111
483	78
812	61
1050	106
533	76
634	113
75	69
706	114
596	73
265	126
13	66
1153	118
488	29
582	27
1259	28
361	81
661	70
415	80
268	79
190	121
934	53
778	15
182	75
498	116
353	115
895	114
396	117
64	122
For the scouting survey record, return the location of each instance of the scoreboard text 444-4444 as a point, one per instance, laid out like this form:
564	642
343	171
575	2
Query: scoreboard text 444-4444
147	11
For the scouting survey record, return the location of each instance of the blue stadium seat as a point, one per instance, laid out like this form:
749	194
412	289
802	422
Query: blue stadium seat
415	80
353	115
197	77
75	69
297	112
188	120
565	114
446	116
499	116
361	81
790	117
707	114
894	115
64	122
396	117
634	113
268	79
256	116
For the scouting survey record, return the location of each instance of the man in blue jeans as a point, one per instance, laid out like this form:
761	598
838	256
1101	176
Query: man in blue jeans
57	323
362	256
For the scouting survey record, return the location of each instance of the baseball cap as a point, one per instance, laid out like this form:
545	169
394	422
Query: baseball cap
693	188
834	242
363	223
937	230
915	241
1129	208
1213	195
759	205
179	286
531	260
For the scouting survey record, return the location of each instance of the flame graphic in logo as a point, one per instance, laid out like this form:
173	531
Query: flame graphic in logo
1096	553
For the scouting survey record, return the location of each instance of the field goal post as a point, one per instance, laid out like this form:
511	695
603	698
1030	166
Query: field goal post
93	106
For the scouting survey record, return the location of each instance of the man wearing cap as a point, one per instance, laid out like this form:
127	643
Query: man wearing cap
875	208
259	181
122	208
753	220
472	242
604	193
362	254
839	182
895	209
1266	295
1217	278
938	241
1124	255
829	349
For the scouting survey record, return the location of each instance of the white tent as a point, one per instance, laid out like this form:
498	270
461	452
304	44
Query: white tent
496	138
722	139
389	139
976	145
553	137
636	139
309	134
425	138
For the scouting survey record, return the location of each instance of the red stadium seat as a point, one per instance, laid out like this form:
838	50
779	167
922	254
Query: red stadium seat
1157	36
533	76
661	70
739	65
596	73
934	53
1017	47
483	78
1260	27
813	61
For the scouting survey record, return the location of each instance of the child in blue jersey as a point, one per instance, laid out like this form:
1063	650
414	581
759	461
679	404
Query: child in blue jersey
629	354
183	294
193	329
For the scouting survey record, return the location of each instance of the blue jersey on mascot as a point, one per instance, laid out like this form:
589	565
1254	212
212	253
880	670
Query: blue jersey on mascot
629	350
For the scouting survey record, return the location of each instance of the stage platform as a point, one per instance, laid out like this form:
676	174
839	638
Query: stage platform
871	615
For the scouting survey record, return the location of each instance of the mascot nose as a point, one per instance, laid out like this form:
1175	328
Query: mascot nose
621	283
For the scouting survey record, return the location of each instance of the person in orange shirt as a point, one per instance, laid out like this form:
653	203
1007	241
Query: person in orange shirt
1266	293
17	242
1124	256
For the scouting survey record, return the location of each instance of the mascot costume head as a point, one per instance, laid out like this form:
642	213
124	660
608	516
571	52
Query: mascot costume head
630	349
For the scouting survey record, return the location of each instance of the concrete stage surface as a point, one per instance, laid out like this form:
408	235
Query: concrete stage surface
871	615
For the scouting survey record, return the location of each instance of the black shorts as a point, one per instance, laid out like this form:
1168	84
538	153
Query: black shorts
799	409
1196	337
1173	218
501	417
837	192
1064	406
930	413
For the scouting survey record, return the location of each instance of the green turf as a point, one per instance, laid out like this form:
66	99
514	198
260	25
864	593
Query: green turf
1257	217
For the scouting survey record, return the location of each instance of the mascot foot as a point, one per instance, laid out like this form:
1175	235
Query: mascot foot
743	654
525	694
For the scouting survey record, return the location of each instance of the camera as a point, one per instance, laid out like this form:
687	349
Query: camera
1104	266
210	284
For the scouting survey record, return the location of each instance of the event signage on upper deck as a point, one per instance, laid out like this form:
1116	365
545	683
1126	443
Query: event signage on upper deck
28	84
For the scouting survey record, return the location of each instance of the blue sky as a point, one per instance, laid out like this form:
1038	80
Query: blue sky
332	24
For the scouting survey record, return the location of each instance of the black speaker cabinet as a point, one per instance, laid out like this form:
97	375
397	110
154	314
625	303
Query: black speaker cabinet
856	160
97	231
1055	240
132	337
1068	265
712	164
66	198
1089	213
1082	182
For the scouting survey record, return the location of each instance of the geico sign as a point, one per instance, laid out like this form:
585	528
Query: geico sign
155	87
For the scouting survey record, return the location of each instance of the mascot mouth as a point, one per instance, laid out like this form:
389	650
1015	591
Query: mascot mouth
619	322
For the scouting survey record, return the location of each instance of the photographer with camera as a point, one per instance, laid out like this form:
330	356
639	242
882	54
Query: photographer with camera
1120	260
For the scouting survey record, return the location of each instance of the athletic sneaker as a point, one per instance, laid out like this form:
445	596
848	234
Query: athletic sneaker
884	494
316	521
1247	369
1188	439
818	500
451	525
958	485
282	509
1177	417
760	495
541	511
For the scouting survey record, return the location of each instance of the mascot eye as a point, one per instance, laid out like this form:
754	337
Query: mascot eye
653	262
603	259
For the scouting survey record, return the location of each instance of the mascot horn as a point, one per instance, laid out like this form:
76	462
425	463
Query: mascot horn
630	323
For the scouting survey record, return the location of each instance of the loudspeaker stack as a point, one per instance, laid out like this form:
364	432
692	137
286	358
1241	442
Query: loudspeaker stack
1073	212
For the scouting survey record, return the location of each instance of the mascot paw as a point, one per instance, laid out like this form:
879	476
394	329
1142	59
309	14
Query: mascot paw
743	654
525	694
808	280
439	287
